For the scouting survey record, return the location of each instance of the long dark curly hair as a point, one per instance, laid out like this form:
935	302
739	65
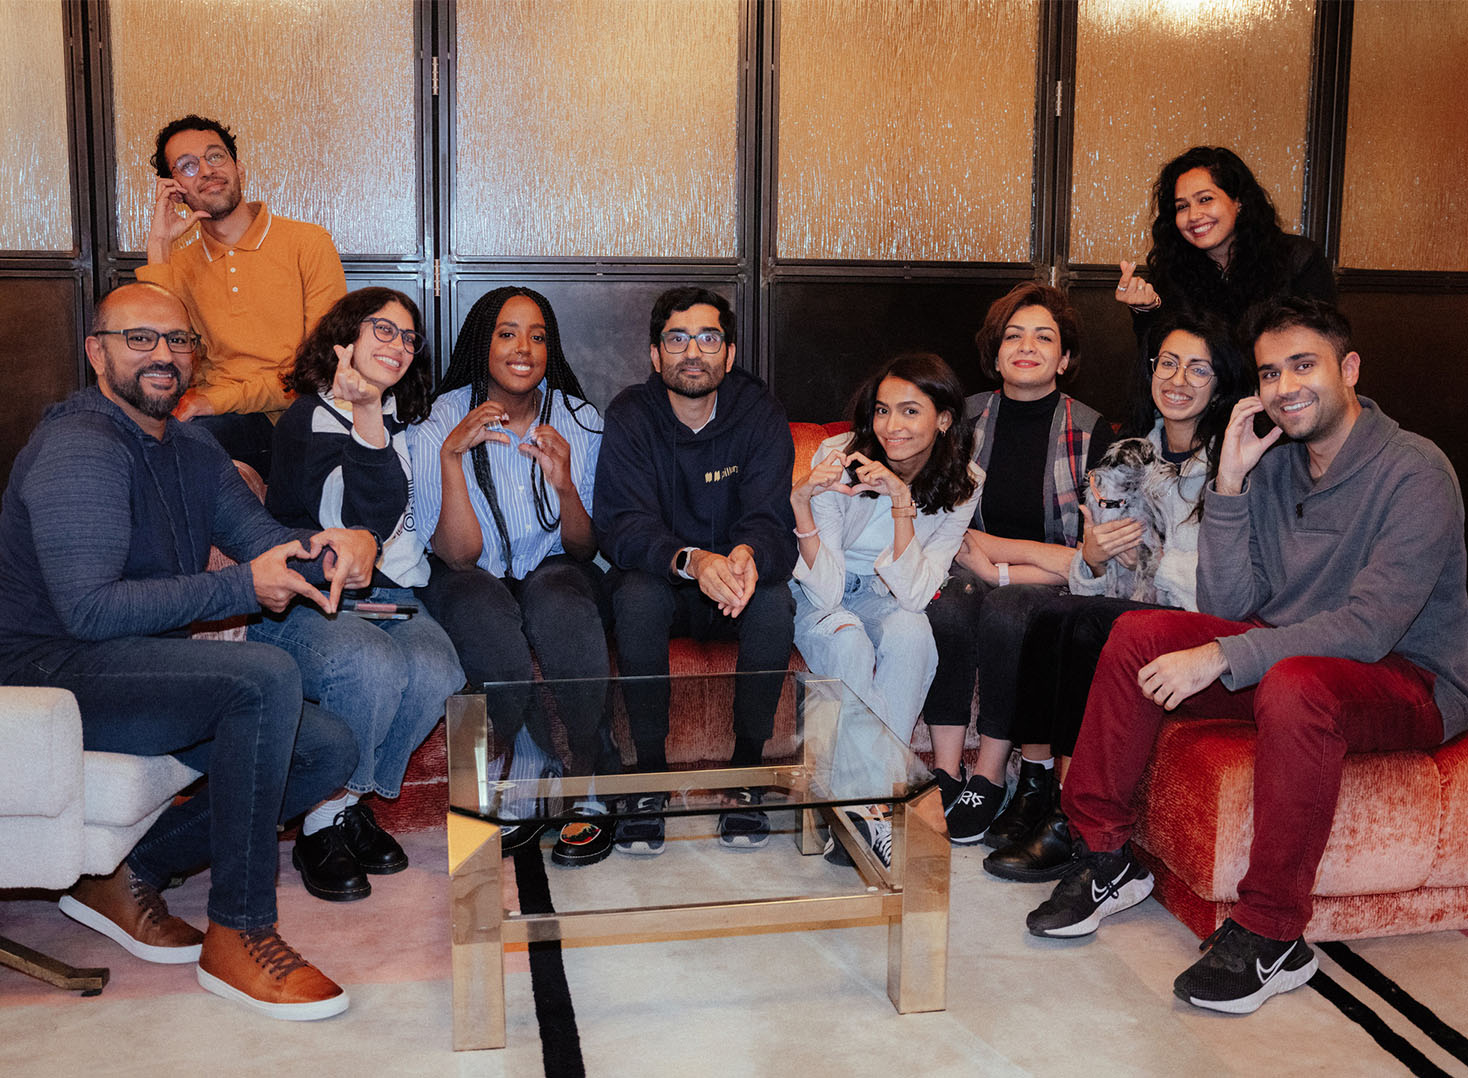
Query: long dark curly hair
469	366
1233	379
944	480
1258	264
315	364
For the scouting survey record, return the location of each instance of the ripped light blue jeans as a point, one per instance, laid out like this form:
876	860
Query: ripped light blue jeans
884	653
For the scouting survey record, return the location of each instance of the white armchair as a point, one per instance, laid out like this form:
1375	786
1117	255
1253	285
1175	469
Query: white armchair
65	813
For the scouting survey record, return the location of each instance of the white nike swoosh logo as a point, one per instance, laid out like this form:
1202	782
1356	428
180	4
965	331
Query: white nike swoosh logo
1266	972
1106	890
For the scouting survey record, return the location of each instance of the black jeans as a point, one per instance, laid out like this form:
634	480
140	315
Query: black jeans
649	610
495	623
1057	663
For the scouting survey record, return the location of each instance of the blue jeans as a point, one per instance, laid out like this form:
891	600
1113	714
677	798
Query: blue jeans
650	609
883	653
388	680
232	710
555	609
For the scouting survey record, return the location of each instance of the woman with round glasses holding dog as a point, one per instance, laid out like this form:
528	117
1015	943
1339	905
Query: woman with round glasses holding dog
1217	245
361	378
503	472
1181	403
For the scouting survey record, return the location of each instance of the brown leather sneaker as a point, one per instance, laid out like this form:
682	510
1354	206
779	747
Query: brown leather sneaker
260	970
129	911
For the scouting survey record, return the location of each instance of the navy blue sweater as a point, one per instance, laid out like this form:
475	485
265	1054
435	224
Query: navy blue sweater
105	532
661	487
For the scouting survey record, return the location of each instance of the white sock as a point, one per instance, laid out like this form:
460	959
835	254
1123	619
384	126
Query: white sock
1048	763
324	814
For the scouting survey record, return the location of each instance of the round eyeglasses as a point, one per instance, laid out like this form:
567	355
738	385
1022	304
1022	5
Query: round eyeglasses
387	332
709	341
1165	367
189	166
142	339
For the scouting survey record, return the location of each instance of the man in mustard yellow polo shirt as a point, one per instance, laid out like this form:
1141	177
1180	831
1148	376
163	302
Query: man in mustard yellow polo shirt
254	283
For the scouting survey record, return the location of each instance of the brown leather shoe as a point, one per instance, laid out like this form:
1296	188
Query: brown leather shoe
129	911
259	969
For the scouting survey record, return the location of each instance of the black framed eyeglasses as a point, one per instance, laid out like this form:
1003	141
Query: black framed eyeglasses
387	331
1165	367
189	166
709	341
142	339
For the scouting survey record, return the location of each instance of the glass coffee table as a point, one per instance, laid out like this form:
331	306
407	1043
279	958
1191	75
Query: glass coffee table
512	765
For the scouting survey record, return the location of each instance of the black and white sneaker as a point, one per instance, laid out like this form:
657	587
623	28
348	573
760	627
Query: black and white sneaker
1098	885
1242	969
585	841
874	824
746	827
643	836
972	808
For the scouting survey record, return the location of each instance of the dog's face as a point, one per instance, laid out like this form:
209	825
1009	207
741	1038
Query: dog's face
1118	482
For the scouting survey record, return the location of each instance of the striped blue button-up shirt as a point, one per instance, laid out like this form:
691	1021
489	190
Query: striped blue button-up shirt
514	476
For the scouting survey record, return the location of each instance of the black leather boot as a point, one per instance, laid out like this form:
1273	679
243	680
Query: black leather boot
1034	796
1045	854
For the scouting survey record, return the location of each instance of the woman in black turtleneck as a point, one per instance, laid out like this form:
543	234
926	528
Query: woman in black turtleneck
1034	445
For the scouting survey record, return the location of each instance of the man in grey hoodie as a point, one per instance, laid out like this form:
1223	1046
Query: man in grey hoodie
104	544
1333	615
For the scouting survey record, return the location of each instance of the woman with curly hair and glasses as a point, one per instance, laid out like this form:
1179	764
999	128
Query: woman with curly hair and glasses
361	379
1217	246
503	472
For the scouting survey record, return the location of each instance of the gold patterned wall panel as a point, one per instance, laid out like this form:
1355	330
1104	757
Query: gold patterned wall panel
597	128
319	93
35	182
1407	137
906	130
1154	77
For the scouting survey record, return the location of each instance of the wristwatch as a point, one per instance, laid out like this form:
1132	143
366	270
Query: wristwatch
680	562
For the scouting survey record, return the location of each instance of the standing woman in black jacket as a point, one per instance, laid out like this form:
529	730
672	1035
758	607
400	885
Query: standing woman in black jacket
1217	246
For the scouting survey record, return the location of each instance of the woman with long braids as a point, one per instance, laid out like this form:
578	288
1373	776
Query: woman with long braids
503	470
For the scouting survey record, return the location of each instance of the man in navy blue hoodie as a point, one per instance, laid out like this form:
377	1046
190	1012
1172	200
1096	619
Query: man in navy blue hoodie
104	542
692	509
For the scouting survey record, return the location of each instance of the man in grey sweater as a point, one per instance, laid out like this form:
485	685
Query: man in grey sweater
1333	615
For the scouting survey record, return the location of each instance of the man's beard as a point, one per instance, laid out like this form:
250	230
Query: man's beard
701	389
217	204
131	390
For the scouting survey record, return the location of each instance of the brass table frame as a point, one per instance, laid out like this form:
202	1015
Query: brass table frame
912	896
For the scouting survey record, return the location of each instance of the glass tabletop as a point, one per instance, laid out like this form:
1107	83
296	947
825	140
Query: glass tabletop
530	751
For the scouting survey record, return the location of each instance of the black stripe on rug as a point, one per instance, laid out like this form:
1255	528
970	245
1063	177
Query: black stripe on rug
1389	1039
560	1043
1419	1014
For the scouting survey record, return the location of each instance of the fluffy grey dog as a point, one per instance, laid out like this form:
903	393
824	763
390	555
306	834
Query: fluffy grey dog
1131	480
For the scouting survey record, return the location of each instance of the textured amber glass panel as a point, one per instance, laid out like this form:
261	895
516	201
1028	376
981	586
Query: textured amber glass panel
35	181
597	128
319	94
1154	77
1407	137
906	130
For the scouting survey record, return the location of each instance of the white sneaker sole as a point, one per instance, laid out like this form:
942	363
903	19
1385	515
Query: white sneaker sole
164	956
289	1012
1127	896
1286	980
